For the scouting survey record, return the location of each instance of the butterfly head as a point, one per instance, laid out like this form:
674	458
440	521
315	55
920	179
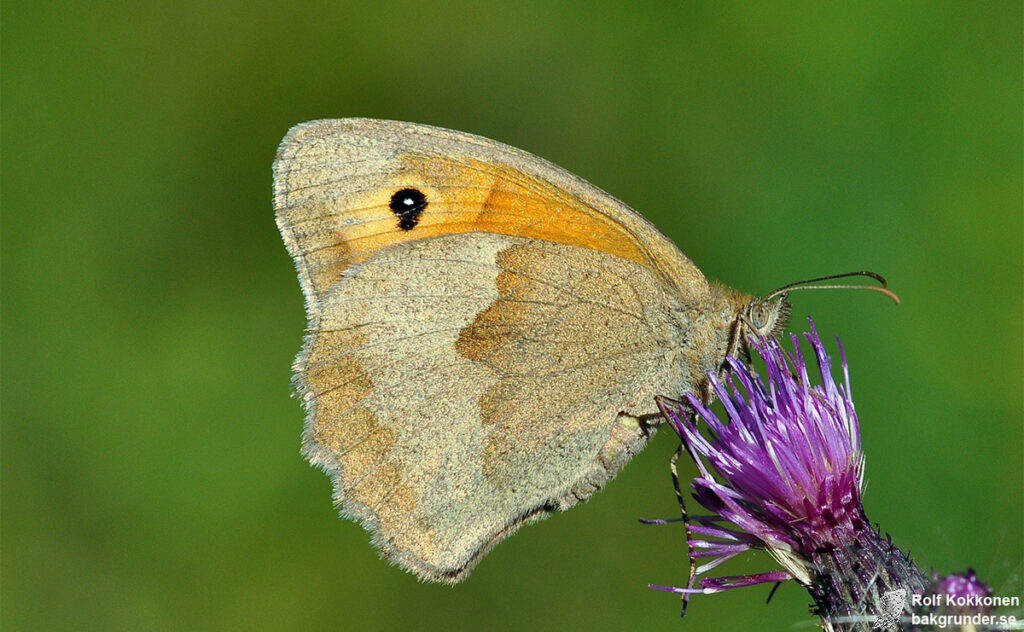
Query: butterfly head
740	320
764	317
752	318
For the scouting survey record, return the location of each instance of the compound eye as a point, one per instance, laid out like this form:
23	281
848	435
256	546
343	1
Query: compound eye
758	317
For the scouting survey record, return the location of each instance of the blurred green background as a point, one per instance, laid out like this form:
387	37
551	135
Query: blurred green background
151	470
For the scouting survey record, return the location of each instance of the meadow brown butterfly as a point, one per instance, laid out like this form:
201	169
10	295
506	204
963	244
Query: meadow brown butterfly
487	332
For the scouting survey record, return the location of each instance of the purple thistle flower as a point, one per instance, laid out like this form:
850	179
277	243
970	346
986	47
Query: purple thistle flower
962	597
786	475
963	587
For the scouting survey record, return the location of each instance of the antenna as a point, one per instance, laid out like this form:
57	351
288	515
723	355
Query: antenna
799	285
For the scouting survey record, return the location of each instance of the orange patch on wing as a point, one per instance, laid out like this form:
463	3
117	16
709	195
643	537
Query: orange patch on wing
474	195
465	195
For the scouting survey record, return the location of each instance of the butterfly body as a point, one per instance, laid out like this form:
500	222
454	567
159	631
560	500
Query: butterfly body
487	332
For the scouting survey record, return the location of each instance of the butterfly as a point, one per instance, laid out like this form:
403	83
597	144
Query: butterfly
487	332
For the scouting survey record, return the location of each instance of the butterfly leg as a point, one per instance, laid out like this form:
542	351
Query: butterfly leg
686	526
664	403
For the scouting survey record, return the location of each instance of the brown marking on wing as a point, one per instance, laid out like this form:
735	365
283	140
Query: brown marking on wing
556	337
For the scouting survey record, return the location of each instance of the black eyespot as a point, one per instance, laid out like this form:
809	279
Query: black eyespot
408	205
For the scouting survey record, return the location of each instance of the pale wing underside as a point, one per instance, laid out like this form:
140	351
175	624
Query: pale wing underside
461	385
464	375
